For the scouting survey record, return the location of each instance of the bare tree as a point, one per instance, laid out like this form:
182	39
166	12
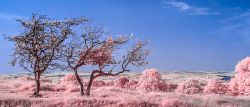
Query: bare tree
38	47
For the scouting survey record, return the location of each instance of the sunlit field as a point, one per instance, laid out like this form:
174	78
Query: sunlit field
17	89
125	53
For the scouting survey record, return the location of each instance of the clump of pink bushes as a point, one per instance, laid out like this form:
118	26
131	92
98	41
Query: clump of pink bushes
70	79
98	83
151	80
120	82
189	86
216	87
240	85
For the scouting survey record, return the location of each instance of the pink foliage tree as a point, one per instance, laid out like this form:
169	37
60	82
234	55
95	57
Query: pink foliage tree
96	47
214	86
240	85
37	48
136	56
190	86
151	81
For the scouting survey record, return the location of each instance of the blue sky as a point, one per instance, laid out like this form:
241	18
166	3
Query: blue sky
187	35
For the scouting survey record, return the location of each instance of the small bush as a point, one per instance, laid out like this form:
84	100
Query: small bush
120	82
240	85
131	85
98	83
190	86
215	87
70	79
151	81
150	75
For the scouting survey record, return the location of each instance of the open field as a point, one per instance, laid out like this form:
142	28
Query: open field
17	92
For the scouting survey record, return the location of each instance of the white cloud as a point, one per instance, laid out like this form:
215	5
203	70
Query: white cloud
181	5
192	10
9	16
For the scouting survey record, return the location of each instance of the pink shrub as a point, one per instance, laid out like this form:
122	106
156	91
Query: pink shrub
131	85
214	86
150	75
26	78
120	82
98	83
189	86
151	81
243	66
174	103
240	85
70	79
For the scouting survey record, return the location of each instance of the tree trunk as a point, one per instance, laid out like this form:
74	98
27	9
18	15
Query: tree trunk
87	93
79	81
37	83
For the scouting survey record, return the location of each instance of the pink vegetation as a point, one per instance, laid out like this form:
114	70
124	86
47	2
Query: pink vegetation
243	66
215	87
151	81
240	85
131	85
189	86
98	83
120	82
174	103
70	79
